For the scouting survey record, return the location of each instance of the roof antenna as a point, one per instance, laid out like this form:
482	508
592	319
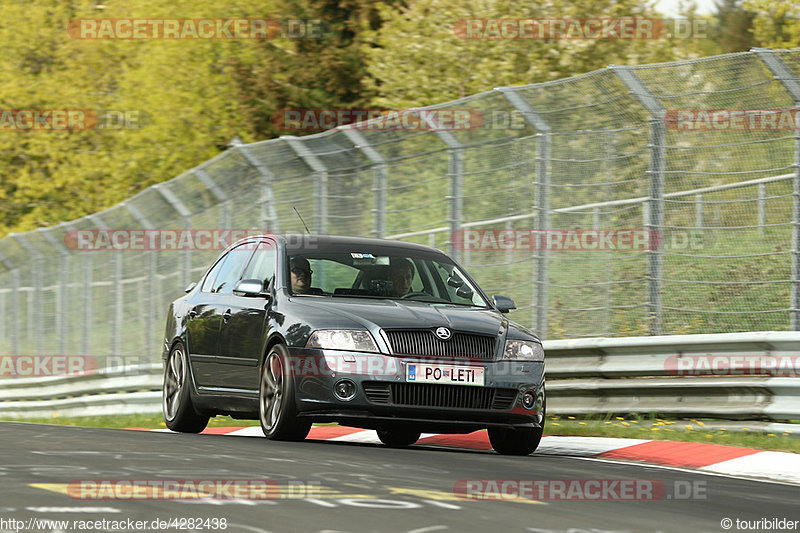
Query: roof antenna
301	219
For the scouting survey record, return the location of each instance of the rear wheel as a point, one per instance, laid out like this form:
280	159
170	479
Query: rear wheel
176	402
398	438
276	404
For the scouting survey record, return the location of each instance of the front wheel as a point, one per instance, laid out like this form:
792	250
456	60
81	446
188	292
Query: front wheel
176	402
398	438
515	441
277	410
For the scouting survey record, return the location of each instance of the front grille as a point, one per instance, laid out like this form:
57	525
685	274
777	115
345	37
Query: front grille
432	395
423	342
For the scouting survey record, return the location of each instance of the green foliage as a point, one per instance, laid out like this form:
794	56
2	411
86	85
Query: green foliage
319	73
419	57
777	22
193	97
180	91
734	32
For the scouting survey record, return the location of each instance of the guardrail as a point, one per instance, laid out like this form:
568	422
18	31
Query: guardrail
131	389
740	376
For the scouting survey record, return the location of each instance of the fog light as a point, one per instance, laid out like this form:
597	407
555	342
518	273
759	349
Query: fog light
528	399
344	389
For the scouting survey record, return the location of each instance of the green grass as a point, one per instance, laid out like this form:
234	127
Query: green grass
655	428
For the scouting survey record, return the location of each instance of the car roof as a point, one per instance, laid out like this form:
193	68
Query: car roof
303	241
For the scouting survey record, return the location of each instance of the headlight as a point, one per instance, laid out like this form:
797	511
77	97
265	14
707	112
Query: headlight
523	351
342	339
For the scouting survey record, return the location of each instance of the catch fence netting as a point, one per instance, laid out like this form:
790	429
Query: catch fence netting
657	199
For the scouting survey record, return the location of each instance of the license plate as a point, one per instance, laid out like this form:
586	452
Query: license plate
448	374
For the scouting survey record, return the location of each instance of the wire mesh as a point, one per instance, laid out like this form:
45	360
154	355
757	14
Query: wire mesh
548	198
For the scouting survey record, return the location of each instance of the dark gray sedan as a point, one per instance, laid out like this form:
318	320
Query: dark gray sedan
369	333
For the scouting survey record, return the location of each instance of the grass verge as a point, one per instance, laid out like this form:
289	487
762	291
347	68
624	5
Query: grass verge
692	430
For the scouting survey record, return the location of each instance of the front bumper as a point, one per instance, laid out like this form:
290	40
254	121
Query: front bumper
384	398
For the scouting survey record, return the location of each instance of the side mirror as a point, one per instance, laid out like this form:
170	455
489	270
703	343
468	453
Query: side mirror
249	287
191	286
504	304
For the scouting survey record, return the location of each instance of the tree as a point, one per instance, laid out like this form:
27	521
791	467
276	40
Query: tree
418	56
777	22
322	72
735	26
179	91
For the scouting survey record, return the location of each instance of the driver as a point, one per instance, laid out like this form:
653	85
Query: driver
401	274
301	275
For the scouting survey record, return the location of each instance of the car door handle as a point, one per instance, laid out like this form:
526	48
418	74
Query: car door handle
226	315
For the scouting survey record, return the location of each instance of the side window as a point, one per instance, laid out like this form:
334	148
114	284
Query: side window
262	264
208	283
229	273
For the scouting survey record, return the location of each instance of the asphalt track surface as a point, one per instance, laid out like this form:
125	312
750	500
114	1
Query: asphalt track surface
354	487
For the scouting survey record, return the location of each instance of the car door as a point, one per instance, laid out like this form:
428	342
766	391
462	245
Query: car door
207	317
242	335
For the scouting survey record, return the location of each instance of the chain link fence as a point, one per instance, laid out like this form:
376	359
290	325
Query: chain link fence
670	151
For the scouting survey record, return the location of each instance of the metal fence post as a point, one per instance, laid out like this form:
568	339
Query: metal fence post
790	82
698	211
151	257
116	284
223	198
87	294
61	295
455	172
542	177
14	347
186	218
762	208
321	176
35	317
655	221
269	216
3	315
379	180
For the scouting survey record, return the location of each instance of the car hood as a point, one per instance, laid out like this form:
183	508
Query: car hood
375	314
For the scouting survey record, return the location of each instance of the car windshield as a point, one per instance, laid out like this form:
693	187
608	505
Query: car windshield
366	275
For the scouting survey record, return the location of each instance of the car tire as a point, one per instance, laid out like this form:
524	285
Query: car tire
176	401
277	410
515	441
398	438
